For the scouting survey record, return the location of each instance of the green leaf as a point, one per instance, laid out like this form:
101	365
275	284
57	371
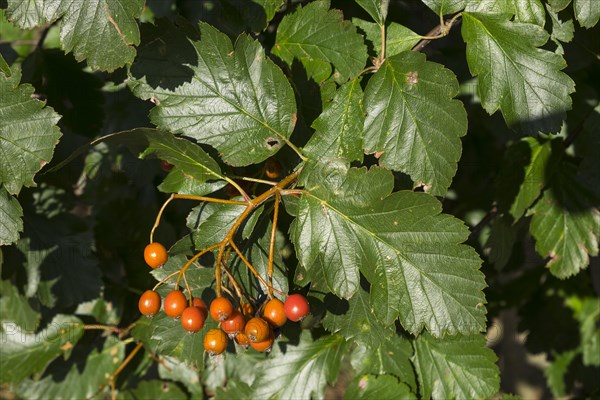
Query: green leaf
102	32
59	259
358	322
413	124
300	371
455	367
4	67
80	382
587	312
398	37
587	12
189	157
377	387
563	31
179	371
566	224
165	336
16	308
529	11
23	353
409	252
28	134
556	371
525	172
178	181
318	37
392	357
515	75
11	214
238	101
558	5
444	7
338	128
155	389
233	390
503	236
377	9
491	6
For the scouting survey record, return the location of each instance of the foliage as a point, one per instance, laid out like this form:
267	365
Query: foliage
413	186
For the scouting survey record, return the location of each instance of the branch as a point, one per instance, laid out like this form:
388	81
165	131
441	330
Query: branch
437	32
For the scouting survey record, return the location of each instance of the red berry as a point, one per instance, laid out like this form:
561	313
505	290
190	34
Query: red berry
192	319
274	313
215	342
198	302
175	303
149	303
257	330
265	345
155	255
166	166
234	324
296	307
242	339
220	309
272	168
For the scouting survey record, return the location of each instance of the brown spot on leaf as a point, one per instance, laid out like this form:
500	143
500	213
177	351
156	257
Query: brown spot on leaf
294	119
412	78
362	383
42	163
66	346
378	154
154	99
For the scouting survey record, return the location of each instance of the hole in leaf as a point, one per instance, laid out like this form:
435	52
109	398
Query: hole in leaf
272	143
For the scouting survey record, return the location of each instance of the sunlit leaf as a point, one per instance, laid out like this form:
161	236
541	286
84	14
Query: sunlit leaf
238	100
320	38
103	32
455	367
515	75
413	124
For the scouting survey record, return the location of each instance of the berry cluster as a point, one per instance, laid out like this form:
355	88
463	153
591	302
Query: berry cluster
243	325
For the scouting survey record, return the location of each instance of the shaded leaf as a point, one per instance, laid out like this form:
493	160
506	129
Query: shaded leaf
79	383
178	181
16	308
587	312
566	224
455	367
392	357
377	387
318	38
11	215
359	323
338	128
409	252
187	156
59	258
155	389
28	134
238	101
556	371
257	13
503	236
523	176
300	371
102	32
412	122
23	353
515	75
